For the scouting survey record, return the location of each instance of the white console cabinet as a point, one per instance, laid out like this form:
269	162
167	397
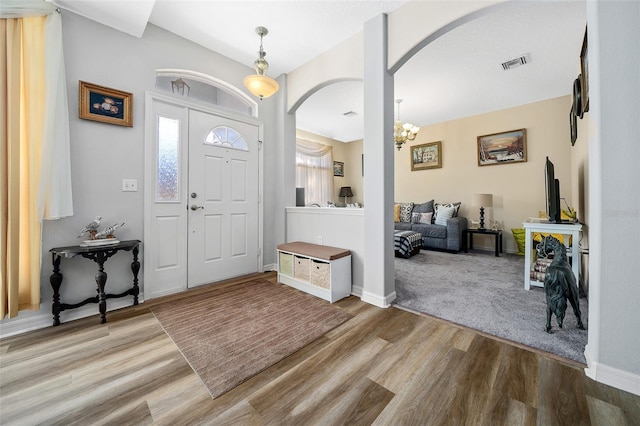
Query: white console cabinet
322	271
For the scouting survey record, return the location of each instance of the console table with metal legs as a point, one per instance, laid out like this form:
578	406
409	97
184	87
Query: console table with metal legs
98	254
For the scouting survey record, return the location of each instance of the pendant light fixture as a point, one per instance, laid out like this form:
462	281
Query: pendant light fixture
259	84
403	132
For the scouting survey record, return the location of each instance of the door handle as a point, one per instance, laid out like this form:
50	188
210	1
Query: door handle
194	207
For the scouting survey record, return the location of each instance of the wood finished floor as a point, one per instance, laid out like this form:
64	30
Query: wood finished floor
383	367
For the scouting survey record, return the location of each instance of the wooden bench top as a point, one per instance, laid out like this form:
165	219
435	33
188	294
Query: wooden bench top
314	250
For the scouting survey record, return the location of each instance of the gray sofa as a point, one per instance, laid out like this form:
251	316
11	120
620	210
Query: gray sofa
435	236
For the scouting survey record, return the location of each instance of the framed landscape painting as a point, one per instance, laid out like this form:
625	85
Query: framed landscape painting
426	156
106	105
338	168
502	148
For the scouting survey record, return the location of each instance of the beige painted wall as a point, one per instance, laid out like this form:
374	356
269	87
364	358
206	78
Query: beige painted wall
518	188
351	155
353	171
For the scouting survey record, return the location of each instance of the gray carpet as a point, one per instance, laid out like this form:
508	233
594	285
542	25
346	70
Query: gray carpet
486	293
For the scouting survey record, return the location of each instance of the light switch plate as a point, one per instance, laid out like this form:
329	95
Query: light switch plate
129	185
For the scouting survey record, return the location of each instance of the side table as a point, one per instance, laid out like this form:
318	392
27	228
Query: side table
467	235
98	254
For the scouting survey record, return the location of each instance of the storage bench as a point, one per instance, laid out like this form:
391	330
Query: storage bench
323	271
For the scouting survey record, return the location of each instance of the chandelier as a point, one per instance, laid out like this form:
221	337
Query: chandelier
259	84
403	132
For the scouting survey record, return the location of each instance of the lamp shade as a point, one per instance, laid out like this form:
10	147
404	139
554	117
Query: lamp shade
345	191
261	85
482	200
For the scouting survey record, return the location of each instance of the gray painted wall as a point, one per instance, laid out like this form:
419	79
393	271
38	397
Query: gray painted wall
103	154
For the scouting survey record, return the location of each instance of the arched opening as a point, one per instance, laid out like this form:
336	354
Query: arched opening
434	72
332	114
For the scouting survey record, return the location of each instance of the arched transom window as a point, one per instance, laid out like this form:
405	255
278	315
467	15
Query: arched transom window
227	137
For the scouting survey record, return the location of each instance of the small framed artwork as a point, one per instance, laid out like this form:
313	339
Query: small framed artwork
573	125
106	105
338	168
426	156
584	73
502	148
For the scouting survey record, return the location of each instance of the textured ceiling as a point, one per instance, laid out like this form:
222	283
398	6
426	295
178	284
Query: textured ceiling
460	74
298	30
457	75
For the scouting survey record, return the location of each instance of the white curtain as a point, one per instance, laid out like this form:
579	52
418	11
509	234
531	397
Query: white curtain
54	192
314	171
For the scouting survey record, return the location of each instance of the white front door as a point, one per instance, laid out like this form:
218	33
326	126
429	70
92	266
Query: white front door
223	198
210	163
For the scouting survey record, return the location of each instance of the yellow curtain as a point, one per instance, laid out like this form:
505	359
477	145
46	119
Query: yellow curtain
22	118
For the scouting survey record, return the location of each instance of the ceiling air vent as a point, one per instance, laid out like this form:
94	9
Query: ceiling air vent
513	63
350	114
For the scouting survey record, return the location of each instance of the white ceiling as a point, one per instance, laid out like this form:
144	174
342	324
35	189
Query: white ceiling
458	75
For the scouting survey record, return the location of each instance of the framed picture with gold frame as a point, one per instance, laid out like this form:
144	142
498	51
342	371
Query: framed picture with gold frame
426	156
502	148
106	105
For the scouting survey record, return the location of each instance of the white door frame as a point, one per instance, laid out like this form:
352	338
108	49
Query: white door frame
149	183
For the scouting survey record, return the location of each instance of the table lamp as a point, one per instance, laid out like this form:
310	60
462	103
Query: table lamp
482	200
345	192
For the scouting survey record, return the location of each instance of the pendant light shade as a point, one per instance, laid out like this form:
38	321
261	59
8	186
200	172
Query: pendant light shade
259	84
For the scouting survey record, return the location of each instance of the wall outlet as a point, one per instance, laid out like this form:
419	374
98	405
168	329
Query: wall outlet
319	239
129	185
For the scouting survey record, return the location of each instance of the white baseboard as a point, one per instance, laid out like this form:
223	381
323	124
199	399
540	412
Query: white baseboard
356	291
270	267
611	376
167	292
43	320
373	299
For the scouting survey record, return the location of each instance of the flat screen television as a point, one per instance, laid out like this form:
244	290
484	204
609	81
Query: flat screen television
552	189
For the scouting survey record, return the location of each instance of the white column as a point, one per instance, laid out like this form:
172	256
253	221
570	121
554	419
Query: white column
284	174
614	200
379	275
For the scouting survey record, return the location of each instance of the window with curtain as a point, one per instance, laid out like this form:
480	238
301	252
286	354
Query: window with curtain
314	171
34	158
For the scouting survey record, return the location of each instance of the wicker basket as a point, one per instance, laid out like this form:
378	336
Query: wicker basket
320	274
301	268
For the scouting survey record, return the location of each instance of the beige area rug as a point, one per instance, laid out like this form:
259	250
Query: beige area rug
230	334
